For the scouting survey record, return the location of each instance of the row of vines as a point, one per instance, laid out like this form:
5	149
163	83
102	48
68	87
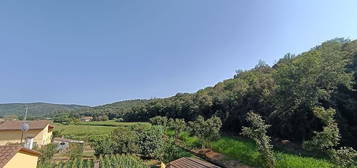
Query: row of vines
121	161
107	161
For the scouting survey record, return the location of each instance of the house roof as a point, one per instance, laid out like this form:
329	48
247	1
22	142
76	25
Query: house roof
16	125
8	152
190	163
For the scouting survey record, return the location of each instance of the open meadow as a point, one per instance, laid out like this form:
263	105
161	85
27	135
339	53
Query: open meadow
85	130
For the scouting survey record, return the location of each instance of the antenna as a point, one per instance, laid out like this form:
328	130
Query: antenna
24	126
26	109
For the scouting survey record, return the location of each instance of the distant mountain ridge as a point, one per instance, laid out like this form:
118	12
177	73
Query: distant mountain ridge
36	109
113	110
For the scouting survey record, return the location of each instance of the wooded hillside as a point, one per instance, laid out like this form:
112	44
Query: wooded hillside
36	109
284	94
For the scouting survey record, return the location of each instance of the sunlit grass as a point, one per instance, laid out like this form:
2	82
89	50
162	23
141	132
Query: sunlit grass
112	123
246	152
84	130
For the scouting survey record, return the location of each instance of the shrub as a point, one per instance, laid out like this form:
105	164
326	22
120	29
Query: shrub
206	130
101	145
178	125
75	151
159	120
151	142
125	141
57	133
326	140
257	132
144	140
345	157
47	152
329	137
172	152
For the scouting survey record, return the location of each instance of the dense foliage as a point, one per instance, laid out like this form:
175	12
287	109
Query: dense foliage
47	153
36	109
329	138
107	161
121	161
258	132
147	141
284	95
110	111
207	130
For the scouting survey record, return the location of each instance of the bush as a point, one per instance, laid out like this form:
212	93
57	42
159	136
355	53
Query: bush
75	151
47	152
151	142
57	133
206	130
147	141
326	140
125	141
257	132
178	125
345	157
172	152
159	120
101	145
329	137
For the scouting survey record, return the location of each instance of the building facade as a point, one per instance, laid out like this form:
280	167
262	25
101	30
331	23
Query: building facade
18	157
40	132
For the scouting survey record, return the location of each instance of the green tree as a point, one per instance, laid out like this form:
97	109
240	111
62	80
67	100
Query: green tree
329	138
151	142
207	130
159	120
258	132
125	141
102	145
178	125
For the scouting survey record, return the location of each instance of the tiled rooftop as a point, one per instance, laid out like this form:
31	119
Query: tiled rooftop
190	163
7	152
16	125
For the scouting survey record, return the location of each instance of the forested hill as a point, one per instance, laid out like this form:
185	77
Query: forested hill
36	109
284	94
113	110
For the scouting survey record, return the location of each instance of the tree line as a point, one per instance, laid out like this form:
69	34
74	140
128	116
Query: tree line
284	94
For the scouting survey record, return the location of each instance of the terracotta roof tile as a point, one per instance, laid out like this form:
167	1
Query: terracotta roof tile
190	163
16	125
7	152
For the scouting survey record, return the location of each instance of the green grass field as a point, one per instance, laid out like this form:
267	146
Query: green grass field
84	130
112	123
246	152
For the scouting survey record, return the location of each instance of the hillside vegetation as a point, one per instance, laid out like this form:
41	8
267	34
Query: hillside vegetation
36	109
113	110
284	94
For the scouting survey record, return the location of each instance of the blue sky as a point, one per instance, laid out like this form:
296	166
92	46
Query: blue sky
96	52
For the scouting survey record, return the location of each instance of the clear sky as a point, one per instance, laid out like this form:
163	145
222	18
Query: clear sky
95	52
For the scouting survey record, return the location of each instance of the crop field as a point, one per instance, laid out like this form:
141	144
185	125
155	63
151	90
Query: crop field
112	123
84	130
